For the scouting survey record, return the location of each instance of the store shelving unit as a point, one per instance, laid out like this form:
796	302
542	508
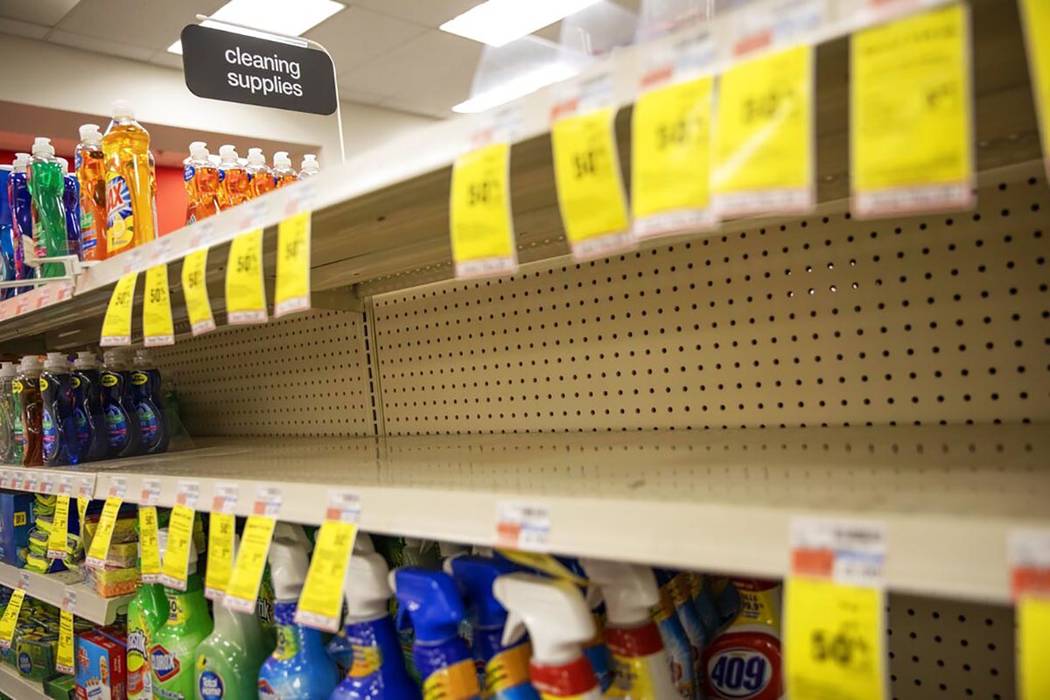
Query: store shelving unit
15	686
51	588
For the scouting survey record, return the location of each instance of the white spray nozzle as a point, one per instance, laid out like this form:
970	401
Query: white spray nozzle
630	590
552	611
256	157
281	160
42	147
86	359
288	565
228	153
363	544
89	133
310	163
122	110
367	588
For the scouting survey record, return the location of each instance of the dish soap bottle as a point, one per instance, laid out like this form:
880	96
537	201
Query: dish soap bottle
122	424
131	185
259	174
32	405
8	437
88	417
47	186
145	397
58	430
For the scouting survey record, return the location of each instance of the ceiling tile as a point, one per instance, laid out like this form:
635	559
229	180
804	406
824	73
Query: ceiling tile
106	46
357	35
44	12
431	13
152	24
22	29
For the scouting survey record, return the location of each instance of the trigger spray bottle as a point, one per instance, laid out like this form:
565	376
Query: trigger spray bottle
744	661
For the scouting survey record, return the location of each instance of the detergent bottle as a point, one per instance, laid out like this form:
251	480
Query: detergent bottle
675	584
122	424
90	165
71	202
8	437
259	174
144	387
228	661
340	650
58	428
298	668
21	217
309	167
172	646
744	662
283	173
7	243
432	603
641	670
558	622
503	671
47	186
131	208
32	411
234	186
680	657
88	416
377	668
147	612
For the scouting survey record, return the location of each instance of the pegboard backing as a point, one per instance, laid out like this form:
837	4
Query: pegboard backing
303	375
819	320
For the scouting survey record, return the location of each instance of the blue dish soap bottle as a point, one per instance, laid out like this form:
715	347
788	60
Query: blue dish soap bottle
122	424
431	601
88	416
298	668
145	395
56	421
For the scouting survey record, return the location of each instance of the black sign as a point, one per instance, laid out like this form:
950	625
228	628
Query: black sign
233	67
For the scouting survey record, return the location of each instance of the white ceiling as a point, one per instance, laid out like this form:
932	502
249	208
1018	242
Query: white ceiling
388	53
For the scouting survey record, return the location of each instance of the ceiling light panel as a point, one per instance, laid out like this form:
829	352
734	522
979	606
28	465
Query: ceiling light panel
498	22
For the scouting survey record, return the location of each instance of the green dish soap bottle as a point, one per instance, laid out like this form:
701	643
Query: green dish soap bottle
173	647
228	661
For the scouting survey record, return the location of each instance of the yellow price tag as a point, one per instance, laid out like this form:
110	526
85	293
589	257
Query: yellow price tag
82	505
116	326
195	292
293	265
148	546
245	287
1035	15
99	550
911	114
243	587
321	600
157	325
763	153
481	223
65	663
10	617
220	554
590	189
670	159
834	640
1033	640
177	553
57	540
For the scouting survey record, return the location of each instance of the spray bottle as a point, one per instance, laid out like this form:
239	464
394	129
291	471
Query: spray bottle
431	601
228	661
558	622
88	416
8	437
744	662
71	202
283	173
47	186
234	186
21	217
90	165
58	429
146	614
298	668
171	650
259	174
503	672
28	389
144	386
309	167
377	668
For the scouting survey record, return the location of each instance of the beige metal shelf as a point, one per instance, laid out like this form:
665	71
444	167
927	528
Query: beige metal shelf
15	686
711	500
51	588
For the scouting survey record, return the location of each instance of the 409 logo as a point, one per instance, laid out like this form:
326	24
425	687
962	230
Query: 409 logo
744	669
164	664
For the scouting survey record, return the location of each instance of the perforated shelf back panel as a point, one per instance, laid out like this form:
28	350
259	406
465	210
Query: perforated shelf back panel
818	320
306	374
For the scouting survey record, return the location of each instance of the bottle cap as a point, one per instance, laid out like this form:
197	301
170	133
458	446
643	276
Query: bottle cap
367	589
21	161
64	164
143	359
281	161
288	566
363	544
115	358
475	575
228	154
42	147
214	159
86	359
57	361
430	599
630	590
310	164
122	110
8	369
89	133
30	363
256	157
553	612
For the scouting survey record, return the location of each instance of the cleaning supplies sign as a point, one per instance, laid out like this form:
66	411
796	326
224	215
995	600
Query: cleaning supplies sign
233	67
835	626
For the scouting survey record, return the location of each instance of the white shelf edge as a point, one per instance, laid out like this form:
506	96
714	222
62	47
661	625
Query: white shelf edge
49	589
12	683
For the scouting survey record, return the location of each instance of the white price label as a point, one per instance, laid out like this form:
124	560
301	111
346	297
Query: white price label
150	492
32	482
86	487
69	600
65	485
847	552
343	506
224	499
523	526
188	493
267	501
118	487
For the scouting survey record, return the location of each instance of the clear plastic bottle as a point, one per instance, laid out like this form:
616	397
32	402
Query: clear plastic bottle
21	217
57	424
189	170
122	424
283	172
234	186
90	420
71	200
259	174
47	186
32	411
130	186
309	167
90	165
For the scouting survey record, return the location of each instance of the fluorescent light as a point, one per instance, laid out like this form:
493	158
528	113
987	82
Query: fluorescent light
270	17
516	87
497	22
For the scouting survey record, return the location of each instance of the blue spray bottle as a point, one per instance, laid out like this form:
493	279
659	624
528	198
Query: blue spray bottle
57	425
431	601
376	667
503	671
90	420
21	201
71	201
122	425
7	243
144	386
298	668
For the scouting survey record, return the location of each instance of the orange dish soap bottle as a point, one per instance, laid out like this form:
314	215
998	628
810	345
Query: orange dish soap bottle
234	186
259	174
130	189
283	172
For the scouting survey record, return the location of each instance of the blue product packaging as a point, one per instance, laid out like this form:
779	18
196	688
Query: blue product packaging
153	428
7	243
71	200
88	416
122	424
57	424
16	520
21	202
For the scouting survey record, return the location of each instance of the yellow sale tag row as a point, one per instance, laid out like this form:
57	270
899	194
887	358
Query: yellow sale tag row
10	617
243	587
1035	15
482	226
116	326
195	292
911	114
321	600
292	291
158	328
221	532
590	189
245	286
99	550
175	568
64	662
57	540
149	547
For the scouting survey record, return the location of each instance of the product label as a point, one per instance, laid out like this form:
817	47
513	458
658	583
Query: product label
210	685
679	653
320	603
220	554
10	617
49	432
116	325
482	227
164	664
460	680
367	659
195	292
148	546
99	550
116	425
188	171
243	587
120	222
245	286
1028	553
508	670
158	328
287	643
57	538
149	423
739	673
177	554
82	425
